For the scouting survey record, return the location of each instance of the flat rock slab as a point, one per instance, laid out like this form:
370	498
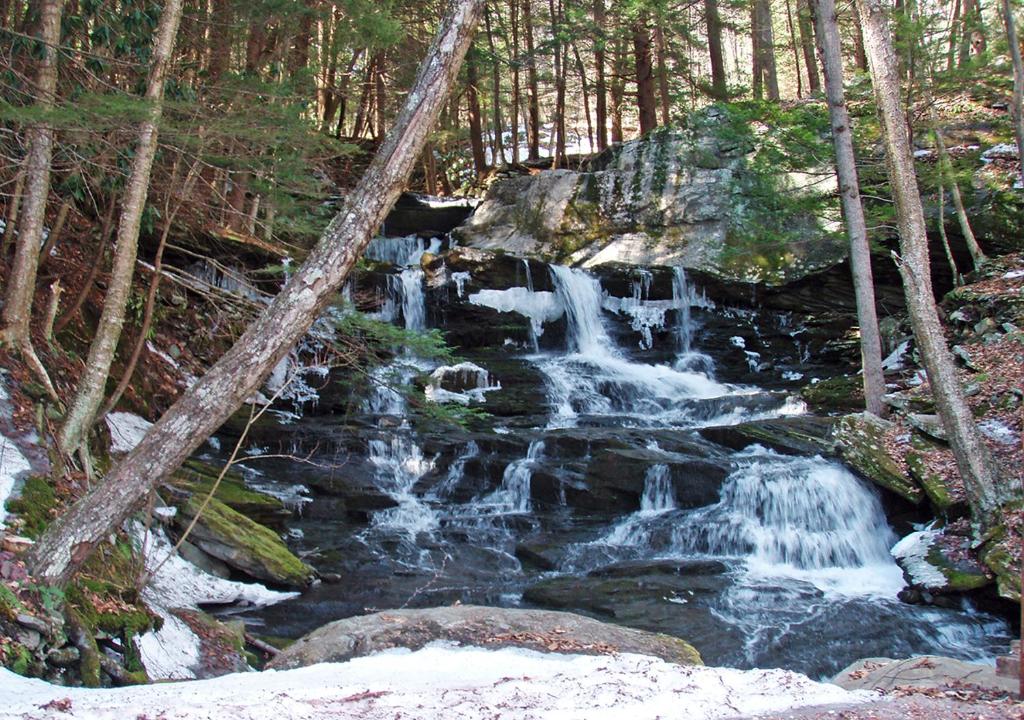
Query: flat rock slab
542	630
927	671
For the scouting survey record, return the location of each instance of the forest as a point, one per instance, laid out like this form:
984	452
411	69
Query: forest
666	354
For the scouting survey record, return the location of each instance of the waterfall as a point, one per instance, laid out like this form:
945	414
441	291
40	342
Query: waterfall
681	299
798	517
399	464
580	295
414	307
659	495
596	380
514	494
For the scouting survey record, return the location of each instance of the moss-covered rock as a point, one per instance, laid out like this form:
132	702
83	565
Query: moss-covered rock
242	543
199	477
839	394
945	497
34	506
1001	554
862	444
939	561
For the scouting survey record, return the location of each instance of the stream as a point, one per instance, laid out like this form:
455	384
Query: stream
590	487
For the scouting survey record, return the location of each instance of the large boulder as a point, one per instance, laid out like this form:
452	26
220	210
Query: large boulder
540	630
863	441
242	543
935	561
696	197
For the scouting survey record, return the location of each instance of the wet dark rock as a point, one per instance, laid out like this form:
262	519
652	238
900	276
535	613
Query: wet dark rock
419	214
798	435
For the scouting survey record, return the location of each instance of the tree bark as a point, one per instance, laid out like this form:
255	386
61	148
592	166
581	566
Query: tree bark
1018	83
663	91
827	24
558	158
499	127
803	21
532	84
516	89
977	470
21	281
476	126
617	91
91	386
69	541
766	48
600	88
644	76
719	85
946	170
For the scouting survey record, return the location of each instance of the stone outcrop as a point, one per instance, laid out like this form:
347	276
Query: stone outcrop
685	197
540	630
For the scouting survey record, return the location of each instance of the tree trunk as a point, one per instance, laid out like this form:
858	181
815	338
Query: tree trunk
585	93
92	384
663	92
946	171
756	69
860	56
380	97
617	91
516	89
796	52
476	126
827	25
972	456
532	84
1018	83
558	158
21	280
600	88
499	127
719	85
766	48
803	21
644	76
68	542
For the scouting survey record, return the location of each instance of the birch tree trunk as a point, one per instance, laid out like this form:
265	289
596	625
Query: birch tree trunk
827	26
21	281
209	402
92	384
977	469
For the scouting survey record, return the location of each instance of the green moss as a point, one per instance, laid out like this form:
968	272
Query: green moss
34	506
862	443
199	477
999	556
839	394
263	552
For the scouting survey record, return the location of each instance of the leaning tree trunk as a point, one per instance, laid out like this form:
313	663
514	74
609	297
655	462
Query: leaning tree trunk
21	281
977	469
829	46
207	404
1018	83
92	384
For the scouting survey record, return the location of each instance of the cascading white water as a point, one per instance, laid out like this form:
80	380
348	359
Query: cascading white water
681	299
580	295
658	495
797	517
514	494
399	464
596	380
414	307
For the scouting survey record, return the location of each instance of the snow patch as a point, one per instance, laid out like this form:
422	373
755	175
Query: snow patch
1013	274
12	465
911	553
999	431
171	652
460	279
894	360
737	342
441	681
126	430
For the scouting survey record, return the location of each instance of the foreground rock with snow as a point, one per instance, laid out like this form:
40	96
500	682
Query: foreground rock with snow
441	681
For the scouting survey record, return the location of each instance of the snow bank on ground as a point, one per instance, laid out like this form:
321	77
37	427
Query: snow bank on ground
445	682
126	430
172	652
12	464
